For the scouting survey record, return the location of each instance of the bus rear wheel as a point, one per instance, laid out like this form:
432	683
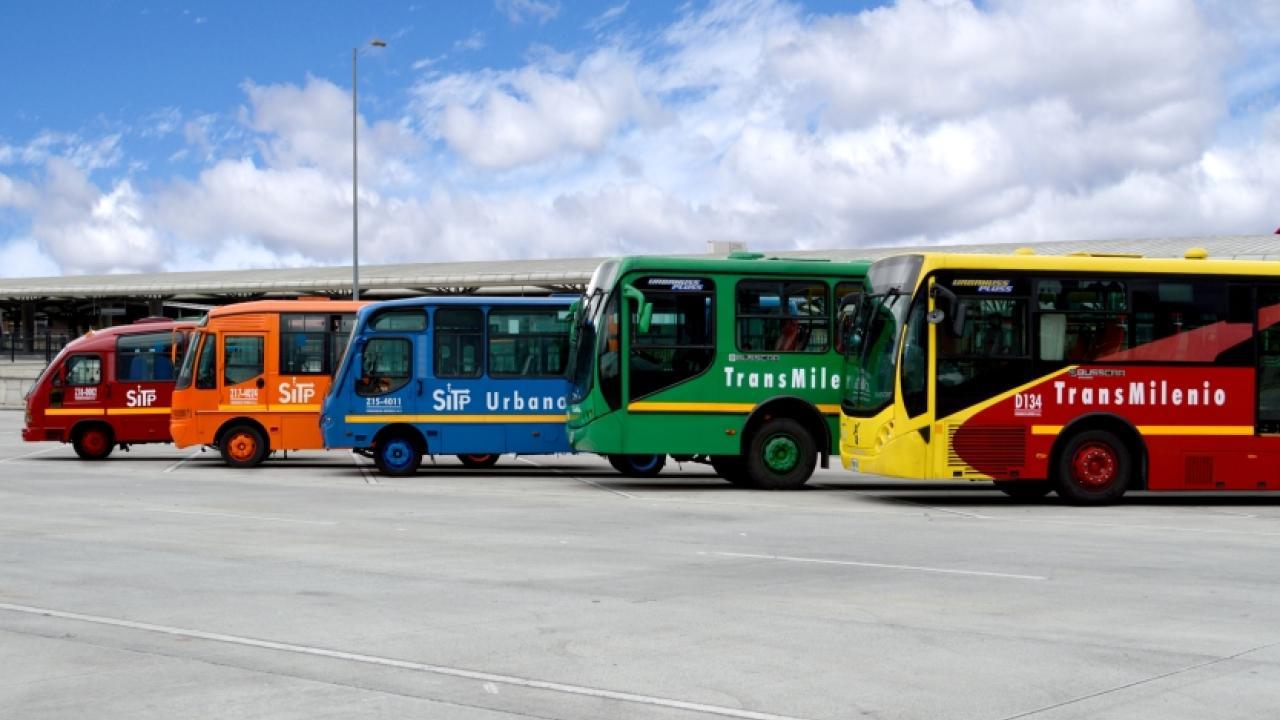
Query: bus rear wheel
93	442
731	468
638	465
1094	468
243	446
478	462
397	455
1024	489
781	455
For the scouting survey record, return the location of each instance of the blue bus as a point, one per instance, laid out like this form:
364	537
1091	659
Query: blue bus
474	377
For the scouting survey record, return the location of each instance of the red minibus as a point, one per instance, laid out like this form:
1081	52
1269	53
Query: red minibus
110	388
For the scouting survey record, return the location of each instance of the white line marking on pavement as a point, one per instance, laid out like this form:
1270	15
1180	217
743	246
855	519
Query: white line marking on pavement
242	517
629	496
30	454
184	460
369	479
484	677
886	566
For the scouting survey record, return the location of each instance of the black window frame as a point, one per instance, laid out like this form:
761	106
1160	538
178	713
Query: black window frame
635	348
784	286
439	328
154	352
260	340
66	369
333	335
396	382
534	339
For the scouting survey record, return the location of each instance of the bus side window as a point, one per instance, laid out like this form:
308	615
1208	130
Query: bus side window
207	369
459	335
83	370
1053	337
384	366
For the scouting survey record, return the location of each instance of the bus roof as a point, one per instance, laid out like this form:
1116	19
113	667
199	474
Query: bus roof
559	301
1194	263
313	305
106	337
743	263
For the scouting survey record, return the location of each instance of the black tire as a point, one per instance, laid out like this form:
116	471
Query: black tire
731	468
1094	468
398	454
243	445
781	455
478	462
1024	489
640	466
93	442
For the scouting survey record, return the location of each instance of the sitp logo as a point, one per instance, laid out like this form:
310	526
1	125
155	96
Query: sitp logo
1028	405
297	393
140	397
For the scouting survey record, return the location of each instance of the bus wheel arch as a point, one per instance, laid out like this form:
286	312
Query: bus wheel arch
801	430
398	450
243	442
93	439
1088	439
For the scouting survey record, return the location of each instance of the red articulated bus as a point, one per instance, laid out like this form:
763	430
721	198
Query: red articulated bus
110	388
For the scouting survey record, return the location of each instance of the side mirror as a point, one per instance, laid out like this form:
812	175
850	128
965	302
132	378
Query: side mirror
947	305
644	308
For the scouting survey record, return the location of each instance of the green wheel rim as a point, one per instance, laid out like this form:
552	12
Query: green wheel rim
781	453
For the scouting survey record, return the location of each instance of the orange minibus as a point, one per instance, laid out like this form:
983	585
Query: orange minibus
255	374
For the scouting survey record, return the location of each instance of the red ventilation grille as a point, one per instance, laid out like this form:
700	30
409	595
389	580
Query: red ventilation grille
1199	471
989	450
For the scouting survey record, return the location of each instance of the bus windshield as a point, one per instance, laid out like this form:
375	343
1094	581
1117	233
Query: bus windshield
874	326
188	360
585	330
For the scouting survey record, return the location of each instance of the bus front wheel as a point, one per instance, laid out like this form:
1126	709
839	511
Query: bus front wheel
781	455
1094	468
397	455
638	465
478	462
243	446
93	442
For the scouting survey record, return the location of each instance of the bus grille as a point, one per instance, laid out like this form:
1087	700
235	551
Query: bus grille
986	449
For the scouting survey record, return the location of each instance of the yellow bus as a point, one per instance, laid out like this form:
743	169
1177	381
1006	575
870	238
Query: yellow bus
1087	375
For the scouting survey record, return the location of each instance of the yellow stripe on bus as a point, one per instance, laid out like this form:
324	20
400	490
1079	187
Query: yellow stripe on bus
702	407
1164	429
75	411
138	411
385	417
690	407
265	409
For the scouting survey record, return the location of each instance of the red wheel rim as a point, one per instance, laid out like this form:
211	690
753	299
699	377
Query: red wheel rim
1095	465
479	458
242	446
94	441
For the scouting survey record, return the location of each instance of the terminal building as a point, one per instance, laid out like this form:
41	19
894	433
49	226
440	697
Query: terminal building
36	312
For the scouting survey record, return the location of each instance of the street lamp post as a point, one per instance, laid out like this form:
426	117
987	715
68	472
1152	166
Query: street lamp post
355	175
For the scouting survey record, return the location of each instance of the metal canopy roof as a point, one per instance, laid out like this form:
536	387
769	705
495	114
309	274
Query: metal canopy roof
545	274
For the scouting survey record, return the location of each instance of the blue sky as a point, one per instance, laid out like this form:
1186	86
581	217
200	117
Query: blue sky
158	136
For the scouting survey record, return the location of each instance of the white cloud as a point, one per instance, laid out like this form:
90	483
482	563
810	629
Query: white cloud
519	11
502	120
86	230
22	257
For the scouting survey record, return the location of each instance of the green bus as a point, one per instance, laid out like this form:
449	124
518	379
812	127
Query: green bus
728	361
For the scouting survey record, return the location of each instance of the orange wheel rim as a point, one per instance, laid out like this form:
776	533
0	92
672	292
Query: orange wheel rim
242	446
